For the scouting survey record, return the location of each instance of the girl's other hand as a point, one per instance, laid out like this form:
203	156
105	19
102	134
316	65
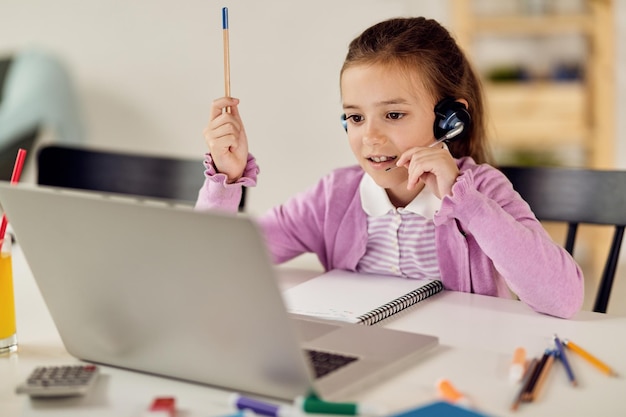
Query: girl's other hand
226	138
433	166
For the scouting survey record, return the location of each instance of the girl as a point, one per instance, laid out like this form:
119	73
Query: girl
413	206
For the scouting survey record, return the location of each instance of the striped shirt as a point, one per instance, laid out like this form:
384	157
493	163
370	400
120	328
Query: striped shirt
401	241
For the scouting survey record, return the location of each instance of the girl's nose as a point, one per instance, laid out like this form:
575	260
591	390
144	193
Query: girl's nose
372	134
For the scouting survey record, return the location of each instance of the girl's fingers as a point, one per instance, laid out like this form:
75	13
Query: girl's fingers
407	156
430	166
414	177
403	160
224	136
218	106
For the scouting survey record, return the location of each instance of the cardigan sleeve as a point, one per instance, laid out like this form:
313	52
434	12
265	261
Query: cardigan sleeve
538	270
217	194
326	219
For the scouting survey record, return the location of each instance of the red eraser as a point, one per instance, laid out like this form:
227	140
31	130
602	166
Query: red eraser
164	405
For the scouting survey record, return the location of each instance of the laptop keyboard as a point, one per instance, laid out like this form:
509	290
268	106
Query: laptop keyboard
326	362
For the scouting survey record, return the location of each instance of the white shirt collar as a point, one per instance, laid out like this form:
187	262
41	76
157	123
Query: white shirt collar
375	201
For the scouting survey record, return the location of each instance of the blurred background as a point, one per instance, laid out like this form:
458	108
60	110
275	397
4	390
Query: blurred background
140	75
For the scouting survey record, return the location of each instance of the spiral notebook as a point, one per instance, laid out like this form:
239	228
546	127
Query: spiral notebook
357	298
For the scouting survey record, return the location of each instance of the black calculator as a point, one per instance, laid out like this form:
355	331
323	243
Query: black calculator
59	381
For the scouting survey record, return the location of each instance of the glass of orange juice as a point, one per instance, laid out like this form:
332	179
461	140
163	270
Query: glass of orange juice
8	329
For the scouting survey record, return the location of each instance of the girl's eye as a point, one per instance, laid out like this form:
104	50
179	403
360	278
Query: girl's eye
395	115
355	118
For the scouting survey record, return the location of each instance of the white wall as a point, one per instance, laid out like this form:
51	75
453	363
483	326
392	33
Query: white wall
147	71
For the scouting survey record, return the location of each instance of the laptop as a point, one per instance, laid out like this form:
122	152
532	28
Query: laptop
151	287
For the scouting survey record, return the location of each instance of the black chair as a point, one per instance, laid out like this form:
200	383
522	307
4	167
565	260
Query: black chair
577	196
158	177
8	153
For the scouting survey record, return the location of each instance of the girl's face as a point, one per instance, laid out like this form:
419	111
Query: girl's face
386	113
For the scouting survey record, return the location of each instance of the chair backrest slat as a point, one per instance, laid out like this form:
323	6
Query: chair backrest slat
577	196
572	194
608	274
570	239
160	177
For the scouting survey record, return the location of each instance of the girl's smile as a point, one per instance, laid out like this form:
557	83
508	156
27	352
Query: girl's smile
381	161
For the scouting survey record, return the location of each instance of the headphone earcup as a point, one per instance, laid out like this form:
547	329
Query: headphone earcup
448	113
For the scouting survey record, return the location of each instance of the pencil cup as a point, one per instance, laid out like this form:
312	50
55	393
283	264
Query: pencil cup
8	330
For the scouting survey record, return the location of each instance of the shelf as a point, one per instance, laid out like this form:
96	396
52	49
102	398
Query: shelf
568	123
548	114
527	114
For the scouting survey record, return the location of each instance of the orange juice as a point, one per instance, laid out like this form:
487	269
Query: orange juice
7	304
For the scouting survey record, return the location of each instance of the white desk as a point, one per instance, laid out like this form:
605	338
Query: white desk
477	337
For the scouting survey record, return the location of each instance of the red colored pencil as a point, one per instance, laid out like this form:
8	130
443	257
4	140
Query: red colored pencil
15	177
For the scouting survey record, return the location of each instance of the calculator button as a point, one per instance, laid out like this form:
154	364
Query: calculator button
57	381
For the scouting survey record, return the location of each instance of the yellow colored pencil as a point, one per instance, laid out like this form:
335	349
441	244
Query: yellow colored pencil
589	358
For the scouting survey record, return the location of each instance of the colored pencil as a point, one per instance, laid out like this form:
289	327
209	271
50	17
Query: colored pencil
589	357
564	361
530	369
534	393
15	177
527	394
226	54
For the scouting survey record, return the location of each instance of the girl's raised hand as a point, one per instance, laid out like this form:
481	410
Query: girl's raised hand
226	138
434	166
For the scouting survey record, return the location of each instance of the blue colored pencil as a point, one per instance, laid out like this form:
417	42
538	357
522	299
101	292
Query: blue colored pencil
564	361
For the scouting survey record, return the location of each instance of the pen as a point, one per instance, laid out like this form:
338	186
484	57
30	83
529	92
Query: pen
525	382
226	54
518	365
260	407
589	357
312	404
563	359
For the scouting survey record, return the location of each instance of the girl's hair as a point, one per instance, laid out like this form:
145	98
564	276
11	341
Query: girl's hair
424	46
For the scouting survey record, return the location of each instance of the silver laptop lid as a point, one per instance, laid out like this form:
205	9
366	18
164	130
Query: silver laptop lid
93	258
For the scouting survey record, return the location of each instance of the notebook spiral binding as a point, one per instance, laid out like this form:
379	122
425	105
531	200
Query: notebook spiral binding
400	303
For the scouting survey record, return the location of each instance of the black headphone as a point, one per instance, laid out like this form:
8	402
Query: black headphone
452	120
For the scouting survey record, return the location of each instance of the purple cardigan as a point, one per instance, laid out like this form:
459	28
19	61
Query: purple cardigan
488	240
